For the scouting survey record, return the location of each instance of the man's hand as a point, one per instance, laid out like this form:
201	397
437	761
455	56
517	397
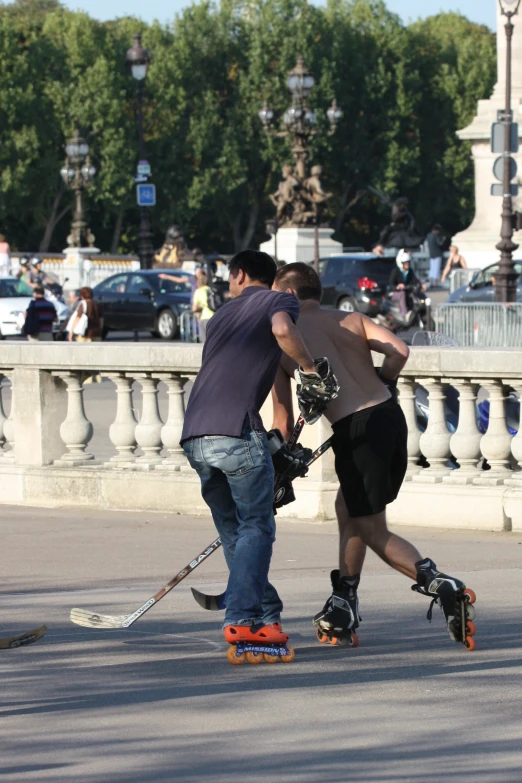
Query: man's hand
391	384
288	463
401	287
315	390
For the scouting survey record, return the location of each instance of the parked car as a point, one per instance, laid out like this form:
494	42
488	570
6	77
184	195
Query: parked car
355	282
15	296
142	301
481	288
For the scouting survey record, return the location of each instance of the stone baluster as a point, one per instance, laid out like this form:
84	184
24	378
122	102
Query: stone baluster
3	417
122	431
515	479
148	429
434	443
76	431
407	387
171	430
8	423
465	442
495	444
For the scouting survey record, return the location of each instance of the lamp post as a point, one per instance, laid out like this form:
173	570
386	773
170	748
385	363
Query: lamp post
506	279
78	173
138	59
298	203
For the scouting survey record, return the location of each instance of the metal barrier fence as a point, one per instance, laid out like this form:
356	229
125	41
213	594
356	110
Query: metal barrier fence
460	277
189	328
485	325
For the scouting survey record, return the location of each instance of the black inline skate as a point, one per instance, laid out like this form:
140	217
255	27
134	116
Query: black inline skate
339	619
454	599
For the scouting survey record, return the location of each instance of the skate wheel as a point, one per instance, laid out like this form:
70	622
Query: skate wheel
470	643
470	628
254	657
355	640
321	636
290	657
334	640
470	596
234	658
270	658
471	612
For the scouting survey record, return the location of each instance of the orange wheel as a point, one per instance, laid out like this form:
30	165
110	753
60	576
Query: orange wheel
290	657
470	643
334	640
355	640
322	637
234	658
470	628
270	658
470	595
254	657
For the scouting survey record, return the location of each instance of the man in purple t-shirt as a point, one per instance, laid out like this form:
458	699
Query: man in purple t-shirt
225	441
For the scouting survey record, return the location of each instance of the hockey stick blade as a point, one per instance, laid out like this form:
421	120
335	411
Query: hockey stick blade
89	619
23	639
214	603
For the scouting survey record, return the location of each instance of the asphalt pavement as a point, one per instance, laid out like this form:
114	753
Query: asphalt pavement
159	702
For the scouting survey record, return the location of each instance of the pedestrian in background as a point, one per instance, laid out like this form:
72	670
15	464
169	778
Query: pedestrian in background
5	257
87	326
200	303
455	261
435	242
39	318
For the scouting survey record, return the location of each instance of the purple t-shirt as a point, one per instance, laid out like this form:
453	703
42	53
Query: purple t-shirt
240	360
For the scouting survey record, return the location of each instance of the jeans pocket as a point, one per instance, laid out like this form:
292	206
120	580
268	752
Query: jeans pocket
231	455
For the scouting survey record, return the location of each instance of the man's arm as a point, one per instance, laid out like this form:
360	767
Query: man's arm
290	341
283	405
395	351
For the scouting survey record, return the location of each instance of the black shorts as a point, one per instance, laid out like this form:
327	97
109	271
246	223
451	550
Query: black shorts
371	457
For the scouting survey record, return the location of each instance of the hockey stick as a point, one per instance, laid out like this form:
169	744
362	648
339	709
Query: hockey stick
94	620
90	619
23	639
215	603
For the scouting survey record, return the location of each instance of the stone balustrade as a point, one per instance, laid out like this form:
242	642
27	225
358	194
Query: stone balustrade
46	457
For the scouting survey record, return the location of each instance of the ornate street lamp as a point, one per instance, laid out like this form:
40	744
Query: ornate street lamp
299	198
506	279
78	173
138	59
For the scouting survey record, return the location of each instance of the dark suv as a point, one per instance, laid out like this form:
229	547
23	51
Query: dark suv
355	282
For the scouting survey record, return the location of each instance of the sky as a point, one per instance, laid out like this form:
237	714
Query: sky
483	11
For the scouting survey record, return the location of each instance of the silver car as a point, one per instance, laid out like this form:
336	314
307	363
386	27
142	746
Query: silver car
481	287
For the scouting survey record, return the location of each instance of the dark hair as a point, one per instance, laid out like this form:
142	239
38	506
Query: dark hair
437	227
86	293
302	278
39	290
257	265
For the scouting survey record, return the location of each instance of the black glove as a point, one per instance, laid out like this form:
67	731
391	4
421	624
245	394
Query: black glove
390	385
284	493
315	390
288	463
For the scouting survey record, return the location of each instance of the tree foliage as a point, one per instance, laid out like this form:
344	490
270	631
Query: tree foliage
404	91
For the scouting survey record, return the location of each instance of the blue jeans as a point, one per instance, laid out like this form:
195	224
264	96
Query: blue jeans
237	483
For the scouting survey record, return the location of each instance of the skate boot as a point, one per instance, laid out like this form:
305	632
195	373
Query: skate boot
454	599
340	618
258	643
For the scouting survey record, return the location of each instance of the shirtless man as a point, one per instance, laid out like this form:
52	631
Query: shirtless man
369	443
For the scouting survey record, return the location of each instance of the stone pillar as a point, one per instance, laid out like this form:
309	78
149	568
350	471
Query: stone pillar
477	243
516	444
434	443
148	430
171	430
407	387
41	399
495	444
298	244
76	431
122	430
465	442
3	417
8	423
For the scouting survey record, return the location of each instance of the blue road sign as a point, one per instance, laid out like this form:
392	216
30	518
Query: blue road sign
146	195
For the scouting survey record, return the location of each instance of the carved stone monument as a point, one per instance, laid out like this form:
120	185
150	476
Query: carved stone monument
477	243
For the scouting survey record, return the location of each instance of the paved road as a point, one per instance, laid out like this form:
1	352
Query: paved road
160	703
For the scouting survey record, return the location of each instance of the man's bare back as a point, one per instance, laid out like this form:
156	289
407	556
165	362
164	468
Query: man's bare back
347	340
